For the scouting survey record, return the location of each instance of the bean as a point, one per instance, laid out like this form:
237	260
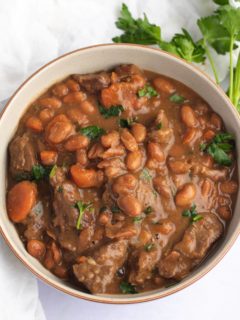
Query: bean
155	152
124	184
185	195
74	97
72	85
206	188
163	85
76	115
207	161
61	272
190	136
130	205
139	132
162	187
208	135
20	200
224	201
104	218
52	103
166	227
58	129
177	151
48	157
126	232
81	157
60	90
46	115
144	237
87	107
35	124
113	152
48	261
229	187
162	118
110	139
224	213
179	166
188	116
76	142
134	160
36	248
96	151
86	178
216	121
128	140
56	253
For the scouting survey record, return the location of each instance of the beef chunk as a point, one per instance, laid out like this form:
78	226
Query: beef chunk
97	272
59	177
22	154
93	82
196	241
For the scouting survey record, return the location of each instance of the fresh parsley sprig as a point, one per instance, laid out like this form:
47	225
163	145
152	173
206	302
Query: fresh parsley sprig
113	111
82	207
192	214
92	132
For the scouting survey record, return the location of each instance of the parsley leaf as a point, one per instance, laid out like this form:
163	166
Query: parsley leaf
126	123
138	219
148	247
145	175
192	214
115	209
148	210
159	126
82	207
176	98
92	132
113	111
221	2
147	91
127	287
136	30
53	171
38	172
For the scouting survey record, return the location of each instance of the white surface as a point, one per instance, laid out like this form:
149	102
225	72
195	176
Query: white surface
34	32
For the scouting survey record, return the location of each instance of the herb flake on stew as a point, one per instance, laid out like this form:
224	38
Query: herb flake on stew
126	123
37	173
113	111
115	209
82	207
92	132
127	287
138	219
147	91
192	214
176	98
159	126
145	175
148	210
53	171
149	246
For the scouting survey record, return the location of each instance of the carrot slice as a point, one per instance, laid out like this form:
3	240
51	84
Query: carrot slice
20	200
48	157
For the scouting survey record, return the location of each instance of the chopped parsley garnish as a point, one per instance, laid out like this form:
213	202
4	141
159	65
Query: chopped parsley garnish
82	207
159	126
127	287
192	214
176	98
148	210
37	173
147	91
126	123
113	111
53	171
60	189
145	175
138	219
115	209
92	132
148	247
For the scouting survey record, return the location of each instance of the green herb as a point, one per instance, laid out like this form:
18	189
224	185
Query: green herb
60	189
176	98
126	287
148	210
113	111
38	172
147	91
53	171
115	209
136	30
221	2
82	207
126	123
159	126
145	175
92	132
192	214
148	247
138	219
102	209
202	146
23	176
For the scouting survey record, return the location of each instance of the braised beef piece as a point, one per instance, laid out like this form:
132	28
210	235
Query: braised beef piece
22	154
98	271
187	253
37	221
93	82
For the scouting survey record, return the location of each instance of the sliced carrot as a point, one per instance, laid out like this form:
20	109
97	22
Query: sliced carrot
48	157
84	178
34	124
20	200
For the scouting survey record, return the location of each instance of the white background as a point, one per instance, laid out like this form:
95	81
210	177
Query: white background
34	32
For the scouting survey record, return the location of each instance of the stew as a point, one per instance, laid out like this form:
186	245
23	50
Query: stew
121	181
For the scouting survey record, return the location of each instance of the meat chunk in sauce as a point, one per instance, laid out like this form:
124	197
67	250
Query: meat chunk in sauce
97	272
123	176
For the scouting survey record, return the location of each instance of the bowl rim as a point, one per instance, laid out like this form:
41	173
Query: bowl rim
134	298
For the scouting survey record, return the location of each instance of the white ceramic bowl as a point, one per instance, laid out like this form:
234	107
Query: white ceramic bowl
94	59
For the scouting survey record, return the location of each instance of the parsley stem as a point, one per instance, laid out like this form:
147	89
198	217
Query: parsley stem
236	94
210	58
231	68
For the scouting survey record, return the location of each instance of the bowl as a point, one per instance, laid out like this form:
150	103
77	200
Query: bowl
94	59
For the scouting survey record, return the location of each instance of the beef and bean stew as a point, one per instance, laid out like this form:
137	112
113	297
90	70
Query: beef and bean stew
121	181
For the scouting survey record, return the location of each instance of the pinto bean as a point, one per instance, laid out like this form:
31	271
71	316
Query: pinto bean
58	129
48	157
229	187
209	135
48	261
61	272
166	227
60	90
104	218
177	151
36	248
113	152
52	103
216	121
81	157
185	195
190	136
124	184
74	97
144	237
139	132
76	115
128	140
56	253
86	178
155	152
87	107
134	160
110	139
162	187
163	85
224	213
207	161
46	115
20	200
72	85
188	116
206	188
179	166
130	205
76	142
96	151
35	124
